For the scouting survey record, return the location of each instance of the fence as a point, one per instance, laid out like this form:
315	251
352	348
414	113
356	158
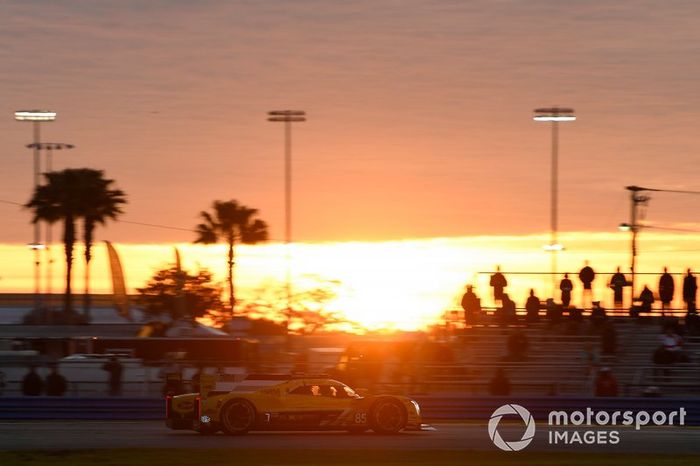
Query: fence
433	408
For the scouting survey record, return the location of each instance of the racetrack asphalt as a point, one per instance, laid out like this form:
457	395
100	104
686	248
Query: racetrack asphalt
62	435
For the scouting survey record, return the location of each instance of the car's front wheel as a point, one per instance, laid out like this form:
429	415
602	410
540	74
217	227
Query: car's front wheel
387	417
238	416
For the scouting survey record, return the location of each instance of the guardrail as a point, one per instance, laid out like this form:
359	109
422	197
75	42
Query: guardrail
433	408
480	408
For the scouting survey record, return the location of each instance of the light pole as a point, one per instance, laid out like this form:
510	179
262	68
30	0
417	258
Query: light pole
554	115
36	117
287	117
636	199
48	148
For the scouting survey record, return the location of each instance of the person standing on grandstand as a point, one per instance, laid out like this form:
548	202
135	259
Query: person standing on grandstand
506	314
617	283
671	349
646	298
587	275
566	286
498	282
671	341
666	289
598	315
532	307
690	288
471	305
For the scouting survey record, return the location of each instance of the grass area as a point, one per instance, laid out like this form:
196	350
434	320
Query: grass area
229	457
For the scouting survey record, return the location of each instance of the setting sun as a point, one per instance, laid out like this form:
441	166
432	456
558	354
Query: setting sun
388	285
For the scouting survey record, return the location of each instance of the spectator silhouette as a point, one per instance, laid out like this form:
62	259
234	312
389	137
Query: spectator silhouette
56	384
498	282
471	305
506	313
566	286
666	289
606	383
532	307
617	283
500	385
114	368
690	288
32	385
671	349
554	311
646	298
598	314
587	275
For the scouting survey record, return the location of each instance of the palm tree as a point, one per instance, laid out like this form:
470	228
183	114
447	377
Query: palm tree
101	204
60	199
67	196
233	223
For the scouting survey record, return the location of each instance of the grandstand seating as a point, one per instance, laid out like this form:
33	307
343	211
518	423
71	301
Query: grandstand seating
555	364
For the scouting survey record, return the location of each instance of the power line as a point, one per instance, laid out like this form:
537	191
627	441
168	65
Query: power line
154	225
686	230
11	202
676	191
143	224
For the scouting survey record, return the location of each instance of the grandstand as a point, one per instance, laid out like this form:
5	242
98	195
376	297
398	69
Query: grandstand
555	364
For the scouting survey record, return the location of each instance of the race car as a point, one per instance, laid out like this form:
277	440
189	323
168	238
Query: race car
282	403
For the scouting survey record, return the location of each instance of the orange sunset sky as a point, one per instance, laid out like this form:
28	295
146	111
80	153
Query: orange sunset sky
419	113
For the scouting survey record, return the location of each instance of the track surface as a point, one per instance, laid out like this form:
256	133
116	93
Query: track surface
30	435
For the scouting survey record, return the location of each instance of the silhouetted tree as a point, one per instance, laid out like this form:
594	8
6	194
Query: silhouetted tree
201	296
67	196
309	311
233	223
101	204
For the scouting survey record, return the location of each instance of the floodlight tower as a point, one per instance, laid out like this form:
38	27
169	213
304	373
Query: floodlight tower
48	148
288	117
36	117
637	199
555	115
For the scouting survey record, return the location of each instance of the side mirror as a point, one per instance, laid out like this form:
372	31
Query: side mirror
363	392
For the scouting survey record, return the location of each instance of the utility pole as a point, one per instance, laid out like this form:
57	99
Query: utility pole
637	199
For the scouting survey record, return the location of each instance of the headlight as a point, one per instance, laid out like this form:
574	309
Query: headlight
417	406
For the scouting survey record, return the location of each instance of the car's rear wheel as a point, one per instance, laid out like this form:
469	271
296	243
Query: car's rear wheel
387	417
238	416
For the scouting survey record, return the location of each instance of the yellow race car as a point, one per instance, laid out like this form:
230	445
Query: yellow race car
283	403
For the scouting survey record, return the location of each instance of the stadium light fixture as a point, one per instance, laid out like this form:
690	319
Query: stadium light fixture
36	117
287	117
555	115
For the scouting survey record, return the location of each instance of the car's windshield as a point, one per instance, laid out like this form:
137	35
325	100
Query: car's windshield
349	392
